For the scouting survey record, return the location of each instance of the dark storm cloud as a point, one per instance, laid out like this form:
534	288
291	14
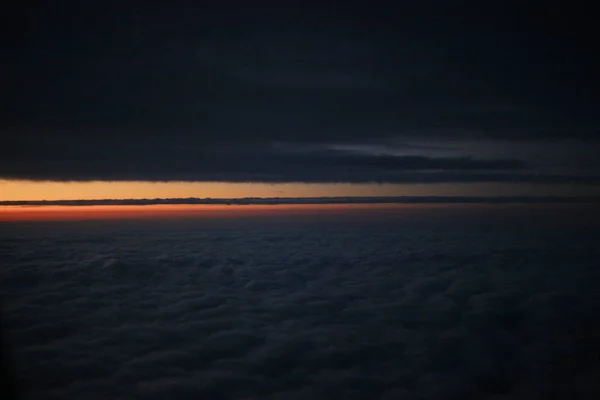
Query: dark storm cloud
97	80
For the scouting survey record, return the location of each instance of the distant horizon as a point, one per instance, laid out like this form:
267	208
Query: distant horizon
308	200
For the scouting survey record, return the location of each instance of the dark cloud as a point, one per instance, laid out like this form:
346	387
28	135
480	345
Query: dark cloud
138	83
190	164
401	306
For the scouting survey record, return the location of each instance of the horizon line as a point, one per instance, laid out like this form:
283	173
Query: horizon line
311	200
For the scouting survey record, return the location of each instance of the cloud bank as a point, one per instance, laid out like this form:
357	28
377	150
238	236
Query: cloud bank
386	309
204	92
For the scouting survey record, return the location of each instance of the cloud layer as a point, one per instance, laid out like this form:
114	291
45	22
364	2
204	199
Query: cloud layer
275	165
204	92
423	308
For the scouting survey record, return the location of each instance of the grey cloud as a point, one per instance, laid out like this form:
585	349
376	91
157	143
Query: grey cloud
363	309
147	79
190	162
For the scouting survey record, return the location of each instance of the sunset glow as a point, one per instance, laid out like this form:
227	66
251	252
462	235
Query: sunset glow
43	213
48	190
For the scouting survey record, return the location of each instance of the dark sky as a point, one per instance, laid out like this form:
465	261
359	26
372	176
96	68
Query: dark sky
420	93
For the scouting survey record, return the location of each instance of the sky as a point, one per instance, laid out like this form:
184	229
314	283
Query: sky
176	99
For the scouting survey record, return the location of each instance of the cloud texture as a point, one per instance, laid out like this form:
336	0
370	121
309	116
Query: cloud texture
207	93
412	307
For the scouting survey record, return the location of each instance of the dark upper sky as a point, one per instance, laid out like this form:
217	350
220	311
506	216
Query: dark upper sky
353	92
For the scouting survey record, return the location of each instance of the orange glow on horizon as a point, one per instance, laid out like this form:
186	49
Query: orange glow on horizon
50	190
218	211
158	211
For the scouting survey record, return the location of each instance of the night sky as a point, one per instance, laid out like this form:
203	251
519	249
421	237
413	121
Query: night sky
432	94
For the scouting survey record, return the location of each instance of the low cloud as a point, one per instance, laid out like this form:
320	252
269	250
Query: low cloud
370	310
